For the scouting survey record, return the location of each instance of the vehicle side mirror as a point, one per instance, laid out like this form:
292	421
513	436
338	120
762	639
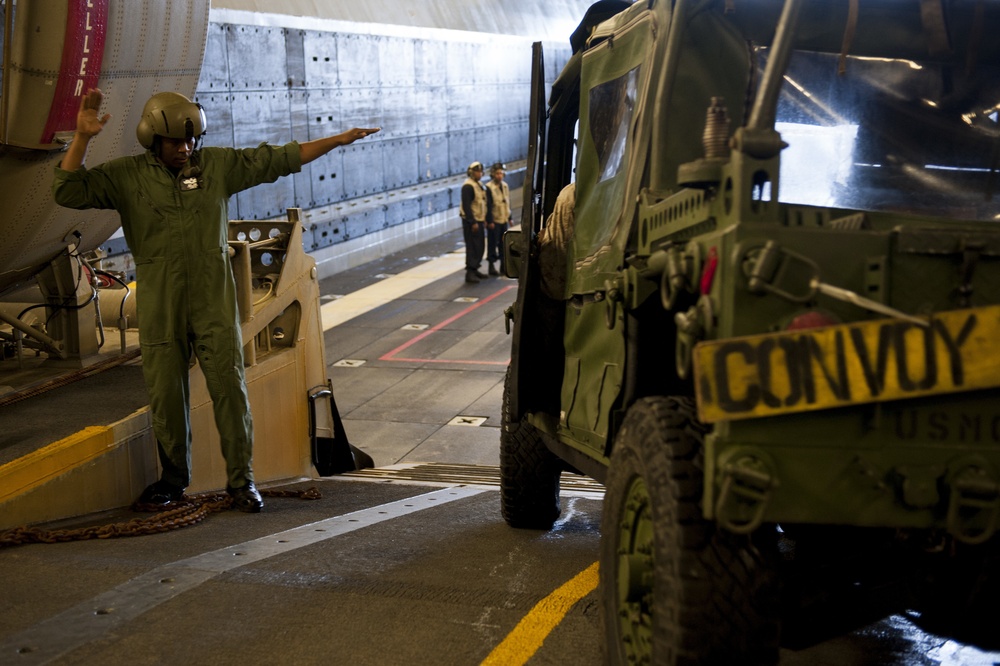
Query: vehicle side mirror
512	253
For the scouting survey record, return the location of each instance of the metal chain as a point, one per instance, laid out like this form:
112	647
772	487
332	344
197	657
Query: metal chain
190	511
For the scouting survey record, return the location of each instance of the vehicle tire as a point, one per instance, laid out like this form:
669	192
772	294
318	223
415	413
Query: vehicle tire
675	589
529	473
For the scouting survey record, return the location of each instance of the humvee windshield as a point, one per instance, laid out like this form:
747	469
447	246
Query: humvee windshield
890	135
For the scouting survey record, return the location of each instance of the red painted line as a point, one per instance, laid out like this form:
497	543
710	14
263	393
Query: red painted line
445	360
390	356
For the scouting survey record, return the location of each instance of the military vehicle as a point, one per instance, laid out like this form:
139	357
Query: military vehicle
775	344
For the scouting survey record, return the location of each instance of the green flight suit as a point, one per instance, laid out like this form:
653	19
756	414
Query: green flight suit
186	292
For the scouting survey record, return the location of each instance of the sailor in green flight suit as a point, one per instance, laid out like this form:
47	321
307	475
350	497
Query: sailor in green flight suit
173	202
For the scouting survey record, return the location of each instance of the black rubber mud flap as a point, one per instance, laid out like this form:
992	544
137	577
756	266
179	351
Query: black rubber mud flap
333	455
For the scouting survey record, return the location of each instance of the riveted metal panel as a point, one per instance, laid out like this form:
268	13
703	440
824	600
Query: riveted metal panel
489	62
514	63
398	117
258	117
513	141
295	58
523	131
488	145
401	210
461	63
324	234
524	100
215	70
298	105
485	107
461	151
430	109
261	116
323	111
327	179
364	222
455	194
320	55
323	119
219	114
433	156
151	40
302	181
430	62
396	66
400	160
363	172
520	67
361	107
512	102
461	107
257	57
267	200
555	61
436	202
357	60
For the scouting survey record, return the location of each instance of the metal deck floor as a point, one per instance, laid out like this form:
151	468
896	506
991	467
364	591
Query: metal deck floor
409	563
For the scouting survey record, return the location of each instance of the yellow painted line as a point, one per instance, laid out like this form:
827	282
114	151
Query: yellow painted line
529	634
38	467
384	291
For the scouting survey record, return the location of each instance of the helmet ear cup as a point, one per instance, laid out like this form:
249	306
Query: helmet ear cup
144	132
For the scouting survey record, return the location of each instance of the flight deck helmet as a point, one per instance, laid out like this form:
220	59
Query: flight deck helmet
475	166
171	115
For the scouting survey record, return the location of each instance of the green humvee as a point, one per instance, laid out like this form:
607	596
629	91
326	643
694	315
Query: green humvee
767	319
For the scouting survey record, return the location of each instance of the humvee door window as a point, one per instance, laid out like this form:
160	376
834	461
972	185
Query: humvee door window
611	107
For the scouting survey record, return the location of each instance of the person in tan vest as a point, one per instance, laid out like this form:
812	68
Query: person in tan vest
473	214
498	216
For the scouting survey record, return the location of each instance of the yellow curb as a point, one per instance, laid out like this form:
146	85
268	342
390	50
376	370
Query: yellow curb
41	466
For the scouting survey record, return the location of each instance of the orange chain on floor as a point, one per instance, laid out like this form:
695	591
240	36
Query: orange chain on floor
189	511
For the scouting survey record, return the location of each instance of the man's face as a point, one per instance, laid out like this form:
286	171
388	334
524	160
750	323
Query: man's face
175	153
477	173
498	175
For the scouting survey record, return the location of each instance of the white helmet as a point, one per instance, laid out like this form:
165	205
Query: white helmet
171	115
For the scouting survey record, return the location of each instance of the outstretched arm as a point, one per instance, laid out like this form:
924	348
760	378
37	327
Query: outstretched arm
311	150
88	125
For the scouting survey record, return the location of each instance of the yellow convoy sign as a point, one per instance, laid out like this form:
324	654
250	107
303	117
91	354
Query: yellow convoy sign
849	364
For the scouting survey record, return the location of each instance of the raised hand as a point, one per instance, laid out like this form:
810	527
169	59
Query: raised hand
88	123
352	135
310	150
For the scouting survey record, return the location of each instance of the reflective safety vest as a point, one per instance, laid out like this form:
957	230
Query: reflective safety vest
478	205
500	200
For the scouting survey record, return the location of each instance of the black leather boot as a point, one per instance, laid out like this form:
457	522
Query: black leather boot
246	499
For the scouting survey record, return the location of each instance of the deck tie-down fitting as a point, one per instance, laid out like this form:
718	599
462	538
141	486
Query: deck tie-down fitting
747	484
973	505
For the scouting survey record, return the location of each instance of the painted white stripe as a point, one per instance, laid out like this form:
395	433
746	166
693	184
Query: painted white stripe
384	291
92	619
